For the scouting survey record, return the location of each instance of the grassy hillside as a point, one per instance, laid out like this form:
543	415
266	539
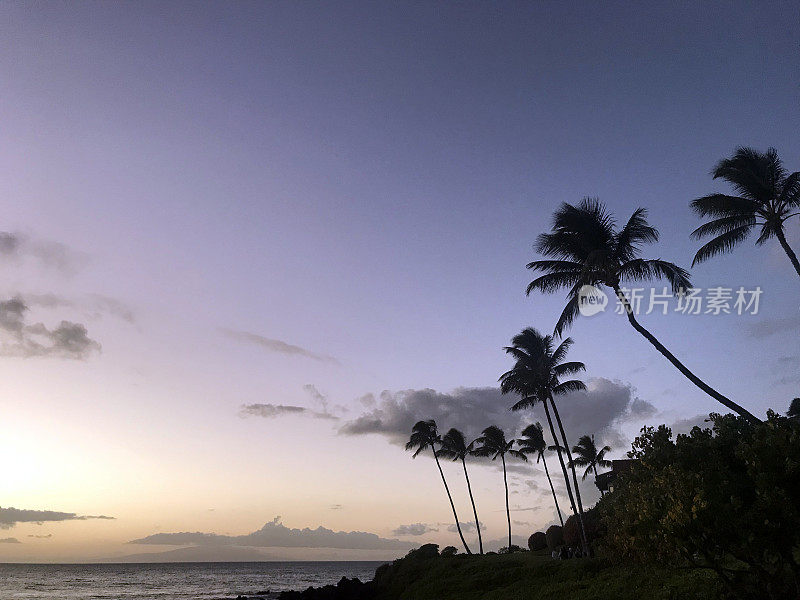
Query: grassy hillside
532	576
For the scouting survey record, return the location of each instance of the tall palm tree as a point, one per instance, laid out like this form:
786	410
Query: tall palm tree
455	447
767	197
585	247
425	435
532	442
587	455
493	443
536	378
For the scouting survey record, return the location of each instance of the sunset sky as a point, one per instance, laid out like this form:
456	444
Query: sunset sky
291	229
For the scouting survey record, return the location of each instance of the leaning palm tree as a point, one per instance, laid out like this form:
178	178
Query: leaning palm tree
493	443
536	378
424	435
455	447
766	196
587	455
532	442
585	248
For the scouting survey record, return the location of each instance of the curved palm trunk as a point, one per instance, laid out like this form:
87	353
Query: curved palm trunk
453	506
474	511
789	252
680	366
552	489
584	539
560	459
594	468
508	511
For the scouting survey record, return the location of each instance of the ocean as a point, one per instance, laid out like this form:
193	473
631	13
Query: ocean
171	581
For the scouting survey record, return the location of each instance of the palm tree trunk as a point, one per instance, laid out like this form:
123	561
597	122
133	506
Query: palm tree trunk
788	249
474	511
508	511
552	489
453	506
594	468
560	458
584	539
680	366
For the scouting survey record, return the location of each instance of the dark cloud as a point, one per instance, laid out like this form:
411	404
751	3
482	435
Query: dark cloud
9	541
768	327
19	247
41	537
413	529
17	338
335	507
276	345
600	410
275	534
11	516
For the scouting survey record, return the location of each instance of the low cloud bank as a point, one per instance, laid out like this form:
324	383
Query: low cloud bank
9	517
276	534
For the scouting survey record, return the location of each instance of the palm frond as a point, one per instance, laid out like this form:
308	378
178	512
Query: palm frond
724	225
721	244
573	385
722	205
646	270
637	231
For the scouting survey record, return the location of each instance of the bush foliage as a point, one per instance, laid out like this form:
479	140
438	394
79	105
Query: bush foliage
725	498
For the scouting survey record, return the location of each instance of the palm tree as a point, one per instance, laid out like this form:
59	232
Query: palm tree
587	455
425	435
493	443
532	442
767	197
536	377
455	447
586	249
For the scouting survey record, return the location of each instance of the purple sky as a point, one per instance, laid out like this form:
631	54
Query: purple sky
363	181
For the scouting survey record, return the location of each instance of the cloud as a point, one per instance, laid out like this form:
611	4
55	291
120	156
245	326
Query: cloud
271	411
686	425
19	247
601	409
276	345
17	338
467	527
92	305
413	529
41	537
9	517
335	507
768	327
9	540
275	534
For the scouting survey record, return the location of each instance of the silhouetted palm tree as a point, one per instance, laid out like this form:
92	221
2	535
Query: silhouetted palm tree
585	248
532	442
587	455
425	435
767	196
493	443
455	447
536	377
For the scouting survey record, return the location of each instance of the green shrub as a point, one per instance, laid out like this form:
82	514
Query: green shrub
449	551
554	536
537	541
726	499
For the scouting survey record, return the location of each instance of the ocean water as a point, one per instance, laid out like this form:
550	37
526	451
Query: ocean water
170	581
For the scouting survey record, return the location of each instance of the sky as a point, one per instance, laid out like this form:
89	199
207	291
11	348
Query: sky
247	245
